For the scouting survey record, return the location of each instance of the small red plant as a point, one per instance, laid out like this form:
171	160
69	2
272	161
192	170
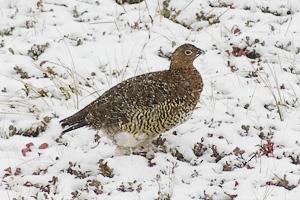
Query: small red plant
268	148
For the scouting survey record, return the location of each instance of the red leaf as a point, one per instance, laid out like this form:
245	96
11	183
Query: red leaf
236	30
29	145
24	151
18	171
236	183
249	167
43	146
8	170
28	184
241	53
43	62
210	134
235	50
231	196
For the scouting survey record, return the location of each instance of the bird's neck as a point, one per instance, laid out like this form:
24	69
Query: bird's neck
181	64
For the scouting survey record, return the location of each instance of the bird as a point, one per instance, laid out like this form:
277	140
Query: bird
142	107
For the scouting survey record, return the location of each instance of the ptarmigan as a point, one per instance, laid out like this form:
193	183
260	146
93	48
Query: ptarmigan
144	106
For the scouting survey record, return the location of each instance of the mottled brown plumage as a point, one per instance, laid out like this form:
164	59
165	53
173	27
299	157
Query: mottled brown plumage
145	105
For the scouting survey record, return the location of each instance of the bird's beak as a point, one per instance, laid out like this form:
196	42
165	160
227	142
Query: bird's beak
200	52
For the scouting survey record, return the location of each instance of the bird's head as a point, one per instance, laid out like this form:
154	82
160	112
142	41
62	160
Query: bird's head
184	56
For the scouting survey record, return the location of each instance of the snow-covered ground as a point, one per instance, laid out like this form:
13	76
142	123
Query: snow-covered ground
242	142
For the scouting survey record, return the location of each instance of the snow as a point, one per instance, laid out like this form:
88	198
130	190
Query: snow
242	141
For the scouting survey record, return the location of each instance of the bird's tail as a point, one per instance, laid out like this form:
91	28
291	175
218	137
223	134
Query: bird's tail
75	121
75	126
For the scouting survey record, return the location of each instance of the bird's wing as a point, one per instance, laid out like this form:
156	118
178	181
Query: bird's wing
140	92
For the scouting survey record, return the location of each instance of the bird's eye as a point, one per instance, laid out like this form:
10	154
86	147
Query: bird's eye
188	52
